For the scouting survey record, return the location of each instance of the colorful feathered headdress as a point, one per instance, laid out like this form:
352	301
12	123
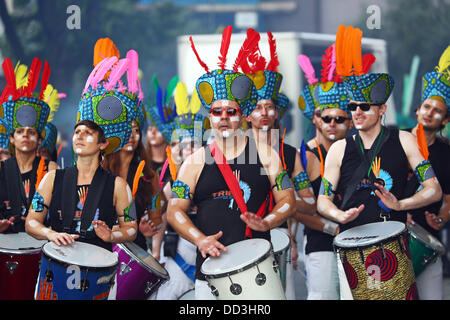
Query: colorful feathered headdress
308	100
436	84
161	110
224	84
265	76
353	67
190	124
108	101
20	105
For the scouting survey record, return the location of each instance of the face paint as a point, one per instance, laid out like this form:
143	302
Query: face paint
437	116
33	223
225	134
256	114
358	127
194	233
129	148
138	137
45	230
285	207
332	137
333	213
265	128
173	202
130	195
234	119
271	113
428	193
90	139
179	217
333	112
77	150
309	200
34	139
117	234
24	148
342	126
369	112
270	217
225	103
423	111
131	232
215	119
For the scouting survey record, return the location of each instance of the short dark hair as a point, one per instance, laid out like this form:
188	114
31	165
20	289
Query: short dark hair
93	126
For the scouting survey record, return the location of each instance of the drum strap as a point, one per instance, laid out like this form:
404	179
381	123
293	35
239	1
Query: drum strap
233	184
188	269
93	198
364	166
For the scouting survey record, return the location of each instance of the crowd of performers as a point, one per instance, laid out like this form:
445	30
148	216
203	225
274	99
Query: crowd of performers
213	179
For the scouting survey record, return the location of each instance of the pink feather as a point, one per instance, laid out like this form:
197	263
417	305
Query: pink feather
90	81
116	73
141	93
103	70
307	68
132	72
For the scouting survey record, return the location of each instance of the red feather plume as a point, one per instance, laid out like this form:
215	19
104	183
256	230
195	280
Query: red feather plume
367	61
226	37
198	57
33	77
44	80
10	88
274	63
326	64
248	47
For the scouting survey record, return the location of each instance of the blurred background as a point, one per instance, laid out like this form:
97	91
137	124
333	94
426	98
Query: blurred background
406	36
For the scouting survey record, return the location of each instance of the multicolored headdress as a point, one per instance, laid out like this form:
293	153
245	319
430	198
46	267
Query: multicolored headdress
50	133
162	111
308	100
189	123
5	132
266	77
50	137
373	88
437	83
110	103
223	84
20	106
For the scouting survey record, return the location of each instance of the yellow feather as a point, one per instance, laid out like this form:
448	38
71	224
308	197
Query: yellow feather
181	98
195	103
21	75
52	99
444	61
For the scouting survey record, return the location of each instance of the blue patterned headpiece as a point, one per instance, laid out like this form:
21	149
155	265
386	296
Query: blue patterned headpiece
334	95
371	87
437	83
50	135
223	84
5	132
308	100
108	102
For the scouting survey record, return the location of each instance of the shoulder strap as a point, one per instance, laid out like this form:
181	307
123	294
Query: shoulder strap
69	190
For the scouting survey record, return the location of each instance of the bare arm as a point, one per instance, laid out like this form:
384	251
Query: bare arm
305	199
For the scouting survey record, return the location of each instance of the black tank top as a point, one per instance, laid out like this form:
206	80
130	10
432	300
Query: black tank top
105	211
317	240
394	173
216	208
289	153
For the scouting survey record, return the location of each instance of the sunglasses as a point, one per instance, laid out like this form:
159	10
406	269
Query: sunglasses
217	111
363	106
328	119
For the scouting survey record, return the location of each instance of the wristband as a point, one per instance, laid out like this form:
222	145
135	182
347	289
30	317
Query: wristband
301	181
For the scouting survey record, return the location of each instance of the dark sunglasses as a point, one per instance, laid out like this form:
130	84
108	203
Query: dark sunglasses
352	106
328	119
217	111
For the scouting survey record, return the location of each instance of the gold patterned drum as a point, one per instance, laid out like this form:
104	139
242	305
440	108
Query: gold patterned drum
377	261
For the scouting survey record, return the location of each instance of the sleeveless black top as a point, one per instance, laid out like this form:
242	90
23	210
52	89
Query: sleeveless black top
289	153
317	240
17	191
393	174
105	211
216	208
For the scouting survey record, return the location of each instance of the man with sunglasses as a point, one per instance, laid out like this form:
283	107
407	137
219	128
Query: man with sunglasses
211	175
371	193
433	114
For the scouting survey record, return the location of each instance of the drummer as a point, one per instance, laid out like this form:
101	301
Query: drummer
85	201
229	97
264	121
179	254
322	278
25	117
4	141
386	153
434	114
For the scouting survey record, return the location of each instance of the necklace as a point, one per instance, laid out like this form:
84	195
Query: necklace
376	148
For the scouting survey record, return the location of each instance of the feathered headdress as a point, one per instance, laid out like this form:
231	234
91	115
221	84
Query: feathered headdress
108	100
436	84
223	84
353	67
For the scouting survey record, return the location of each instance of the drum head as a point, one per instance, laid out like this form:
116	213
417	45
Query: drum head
280	240
145	259
368	234
239	256
81	254
423	236
20	243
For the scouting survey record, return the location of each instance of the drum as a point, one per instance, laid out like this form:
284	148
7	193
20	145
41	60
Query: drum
79	271
188	295
19	265
246	271
377	262
139	275
424	247
280	243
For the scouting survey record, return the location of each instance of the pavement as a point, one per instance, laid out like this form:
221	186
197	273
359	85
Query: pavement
300	279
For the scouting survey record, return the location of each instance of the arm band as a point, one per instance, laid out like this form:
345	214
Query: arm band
301	181
37	204
180	190
129	213
326	188
424	171
282	181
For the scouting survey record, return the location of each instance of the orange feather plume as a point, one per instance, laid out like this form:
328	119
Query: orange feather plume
137	176
172	167
422	142
41	171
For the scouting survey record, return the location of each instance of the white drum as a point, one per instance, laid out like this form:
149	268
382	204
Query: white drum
188	295
280	243
246	271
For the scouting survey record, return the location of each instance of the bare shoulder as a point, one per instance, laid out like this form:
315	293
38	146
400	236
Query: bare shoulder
52	165
408	141
267	154
47	181
191	168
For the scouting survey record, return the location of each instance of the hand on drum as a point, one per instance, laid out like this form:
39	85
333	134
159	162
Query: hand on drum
5	223
351	214
254	222
210	245
147	227
388	198
102	230
61	238
434	221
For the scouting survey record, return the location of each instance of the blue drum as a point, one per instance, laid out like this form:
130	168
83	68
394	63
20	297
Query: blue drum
78	271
